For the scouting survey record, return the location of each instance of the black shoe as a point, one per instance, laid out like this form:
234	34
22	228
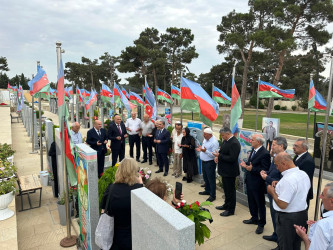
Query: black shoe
150	163
189	180
203	185
211	199
259	230
250	221
269	238
184	179
226	213
143	161
165	174
138	160
158	171
204	193
223	207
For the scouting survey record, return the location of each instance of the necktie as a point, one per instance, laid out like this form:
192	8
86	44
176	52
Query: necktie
119	129
99	133
253	153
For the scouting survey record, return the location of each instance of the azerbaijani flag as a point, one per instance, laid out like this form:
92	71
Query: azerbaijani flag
40	83
106	93
92	99
236	108
220	97
175	92
78	91
124	91
52	92
12	88
163	96
150	103
195	98
68	91
316	101
135	98
120	98
267	90
63	118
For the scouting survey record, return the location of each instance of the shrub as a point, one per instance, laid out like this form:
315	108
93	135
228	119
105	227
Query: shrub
37	114
284	108
277	107
107	178
293	107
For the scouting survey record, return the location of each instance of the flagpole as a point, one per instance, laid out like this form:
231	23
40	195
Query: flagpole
40	127
69	240
32	123
143	106
72	105
156	100
180	103
212	98
257	104
323	149
308	120
77	107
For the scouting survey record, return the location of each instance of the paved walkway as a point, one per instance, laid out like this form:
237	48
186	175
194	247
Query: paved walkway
40	229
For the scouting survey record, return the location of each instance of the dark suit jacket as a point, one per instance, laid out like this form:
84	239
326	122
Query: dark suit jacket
93	137
113	132
162	147
273	174
228	165
307	164
260	161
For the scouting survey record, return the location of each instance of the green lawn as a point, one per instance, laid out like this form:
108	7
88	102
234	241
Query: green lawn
290	123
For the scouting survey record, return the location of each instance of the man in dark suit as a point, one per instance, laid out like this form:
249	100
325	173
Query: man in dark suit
305	162
256	188
117	134
97	139
228	168
273	174
162	139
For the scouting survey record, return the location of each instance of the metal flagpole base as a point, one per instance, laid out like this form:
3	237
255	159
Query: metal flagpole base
68	242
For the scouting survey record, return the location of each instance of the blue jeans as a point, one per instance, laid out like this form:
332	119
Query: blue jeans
209	175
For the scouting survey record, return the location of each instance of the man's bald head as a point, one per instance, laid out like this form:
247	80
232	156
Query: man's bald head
98	124
283	161
76	127
146	117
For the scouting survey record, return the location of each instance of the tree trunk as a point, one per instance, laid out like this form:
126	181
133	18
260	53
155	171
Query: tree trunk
244	85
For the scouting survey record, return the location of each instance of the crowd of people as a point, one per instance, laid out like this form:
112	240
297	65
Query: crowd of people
286	181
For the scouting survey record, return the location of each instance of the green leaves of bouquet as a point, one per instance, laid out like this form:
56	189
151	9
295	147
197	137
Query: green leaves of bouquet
196	213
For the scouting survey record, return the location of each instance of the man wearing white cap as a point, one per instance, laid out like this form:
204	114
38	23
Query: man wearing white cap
209	146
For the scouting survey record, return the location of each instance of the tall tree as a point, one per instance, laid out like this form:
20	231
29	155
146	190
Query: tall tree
177	45
108	68
3	64
295	25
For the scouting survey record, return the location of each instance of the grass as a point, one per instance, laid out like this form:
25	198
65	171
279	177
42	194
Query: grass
290	123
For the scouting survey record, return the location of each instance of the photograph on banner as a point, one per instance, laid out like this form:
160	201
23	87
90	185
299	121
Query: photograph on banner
244	138
271	128
83	201
197	133
317	147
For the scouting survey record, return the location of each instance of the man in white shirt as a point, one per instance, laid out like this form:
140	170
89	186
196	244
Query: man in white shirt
76	134
147	127
177	151
321	232
289	195
209	146
133	128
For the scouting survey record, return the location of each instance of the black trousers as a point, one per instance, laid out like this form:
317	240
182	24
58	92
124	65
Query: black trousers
269	145
163	160
230	193
134	139
100	162
256	200
273	215
147	146
118	153
288	238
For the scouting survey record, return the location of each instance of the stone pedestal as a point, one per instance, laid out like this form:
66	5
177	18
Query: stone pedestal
157	225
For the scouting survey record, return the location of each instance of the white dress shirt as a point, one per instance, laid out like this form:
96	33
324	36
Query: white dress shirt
177	139
321	233
211	145
133	125
293	189
76	137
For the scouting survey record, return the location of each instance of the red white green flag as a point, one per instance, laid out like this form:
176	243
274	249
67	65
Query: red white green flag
63	122
236	108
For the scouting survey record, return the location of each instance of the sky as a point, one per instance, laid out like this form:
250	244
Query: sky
29	29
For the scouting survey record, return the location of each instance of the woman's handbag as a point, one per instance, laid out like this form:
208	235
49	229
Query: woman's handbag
105	228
